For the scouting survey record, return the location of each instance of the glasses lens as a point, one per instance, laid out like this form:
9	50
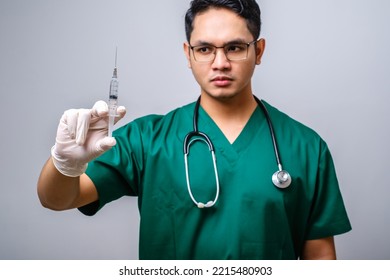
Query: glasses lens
204	53
236	51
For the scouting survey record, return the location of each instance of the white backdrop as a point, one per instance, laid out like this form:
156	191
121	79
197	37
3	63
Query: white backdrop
326	64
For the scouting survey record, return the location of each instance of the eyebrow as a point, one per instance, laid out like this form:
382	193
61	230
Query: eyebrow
203	43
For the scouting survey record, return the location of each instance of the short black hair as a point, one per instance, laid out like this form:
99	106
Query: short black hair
247	9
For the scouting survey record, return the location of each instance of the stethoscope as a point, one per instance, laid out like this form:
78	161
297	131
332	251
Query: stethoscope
281	178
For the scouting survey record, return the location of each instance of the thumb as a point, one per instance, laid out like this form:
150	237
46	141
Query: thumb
105	144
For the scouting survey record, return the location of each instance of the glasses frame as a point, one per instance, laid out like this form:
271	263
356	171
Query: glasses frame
224	50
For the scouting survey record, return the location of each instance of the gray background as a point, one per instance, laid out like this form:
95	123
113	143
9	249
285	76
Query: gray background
326	64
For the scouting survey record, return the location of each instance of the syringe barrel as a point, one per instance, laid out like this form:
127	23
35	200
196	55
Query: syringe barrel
114	89
112	104
113	96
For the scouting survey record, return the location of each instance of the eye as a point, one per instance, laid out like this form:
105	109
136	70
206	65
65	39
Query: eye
203	49
235	48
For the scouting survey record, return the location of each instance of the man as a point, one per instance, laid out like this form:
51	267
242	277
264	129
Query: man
246	216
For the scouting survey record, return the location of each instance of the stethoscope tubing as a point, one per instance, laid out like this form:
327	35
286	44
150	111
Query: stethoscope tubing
281	178
211	202
271	130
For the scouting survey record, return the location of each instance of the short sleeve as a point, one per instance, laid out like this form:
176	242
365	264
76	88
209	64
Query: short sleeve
116	173
328	215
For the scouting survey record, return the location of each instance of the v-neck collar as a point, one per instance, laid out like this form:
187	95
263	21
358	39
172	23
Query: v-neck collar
221	143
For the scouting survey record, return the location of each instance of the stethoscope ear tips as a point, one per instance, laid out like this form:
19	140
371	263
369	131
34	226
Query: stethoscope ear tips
281	179
201	205
207	205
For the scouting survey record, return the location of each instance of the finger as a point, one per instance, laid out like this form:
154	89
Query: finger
83	120
120	113
99	109
70	119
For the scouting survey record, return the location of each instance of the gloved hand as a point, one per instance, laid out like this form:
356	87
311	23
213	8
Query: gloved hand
81	137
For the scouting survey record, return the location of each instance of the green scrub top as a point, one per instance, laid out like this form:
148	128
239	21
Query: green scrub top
252	219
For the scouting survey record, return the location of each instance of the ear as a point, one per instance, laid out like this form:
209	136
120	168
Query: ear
186	49
260	47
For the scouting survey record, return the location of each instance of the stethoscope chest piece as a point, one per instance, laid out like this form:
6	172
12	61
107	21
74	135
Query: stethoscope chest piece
281	179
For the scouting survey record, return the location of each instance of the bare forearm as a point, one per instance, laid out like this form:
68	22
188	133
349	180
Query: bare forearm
56	191
319	249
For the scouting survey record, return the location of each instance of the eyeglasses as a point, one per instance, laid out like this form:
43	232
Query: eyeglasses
233	51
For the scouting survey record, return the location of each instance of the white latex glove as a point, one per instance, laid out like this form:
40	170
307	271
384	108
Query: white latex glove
81	137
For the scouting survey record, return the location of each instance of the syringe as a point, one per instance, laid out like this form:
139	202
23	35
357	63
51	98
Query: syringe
113	98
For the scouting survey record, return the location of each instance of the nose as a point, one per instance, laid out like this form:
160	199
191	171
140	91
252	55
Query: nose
220	61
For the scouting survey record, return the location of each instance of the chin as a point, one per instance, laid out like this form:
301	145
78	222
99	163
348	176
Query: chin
222	96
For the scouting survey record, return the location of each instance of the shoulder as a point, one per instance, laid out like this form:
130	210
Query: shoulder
285	124
157	122
293	133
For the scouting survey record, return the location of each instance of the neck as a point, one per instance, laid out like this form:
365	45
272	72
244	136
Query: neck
230	114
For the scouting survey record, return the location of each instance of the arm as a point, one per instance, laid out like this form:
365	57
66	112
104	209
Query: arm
81	137
60	192
319	249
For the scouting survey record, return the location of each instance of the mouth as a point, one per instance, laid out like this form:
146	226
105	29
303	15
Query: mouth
221	81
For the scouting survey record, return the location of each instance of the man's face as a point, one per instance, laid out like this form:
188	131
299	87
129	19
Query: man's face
221	78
